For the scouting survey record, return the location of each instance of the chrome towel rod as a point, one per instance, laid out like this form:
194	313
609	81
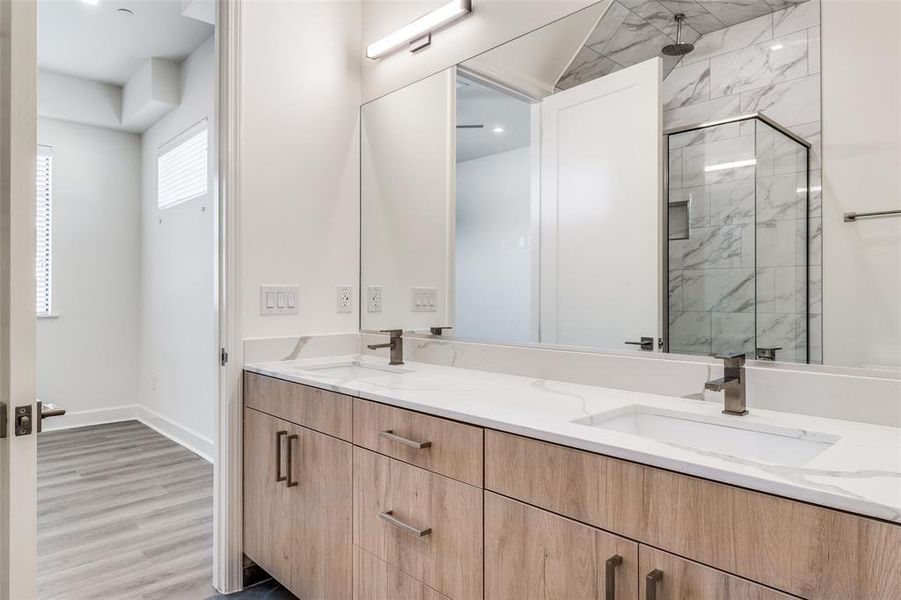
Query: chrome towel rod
850	217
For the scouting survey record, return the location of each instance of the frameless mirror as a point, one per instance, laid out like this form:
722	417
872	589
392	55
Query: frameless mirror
620	179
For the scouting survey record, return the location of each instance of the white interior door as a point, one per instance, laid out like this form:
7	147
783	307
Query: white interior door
18	148
601	210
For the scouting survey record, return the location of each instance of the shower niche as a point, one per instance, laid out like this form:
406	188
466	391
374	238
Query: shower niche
738	250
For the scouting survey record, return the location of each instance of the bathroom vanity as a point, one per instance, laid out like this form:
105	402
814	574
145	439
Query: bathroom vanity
425	482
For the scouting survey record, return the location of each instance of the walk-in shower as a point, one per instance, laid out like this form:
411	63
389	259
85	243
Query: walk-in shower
738	254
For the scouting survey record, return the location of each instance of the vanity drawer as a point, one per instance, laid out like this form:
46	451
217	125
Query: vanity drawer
374	579
801	549
446	447
434	530
311	407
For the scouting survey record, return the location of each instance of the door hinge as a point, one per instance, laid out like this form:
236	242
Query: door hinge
223	357
3	423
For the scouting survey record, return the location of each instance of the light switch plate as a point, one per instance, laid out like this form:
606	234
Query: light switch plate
424	299
345	298
374	298
279	300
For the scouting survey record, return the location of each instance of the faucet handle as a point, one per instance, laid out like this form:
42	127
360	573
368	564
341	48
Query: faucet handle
732	359
439	330
392	332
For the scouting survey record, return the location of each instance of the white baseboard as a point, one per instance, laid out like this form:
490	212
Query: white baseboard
96	416
202	446
196	443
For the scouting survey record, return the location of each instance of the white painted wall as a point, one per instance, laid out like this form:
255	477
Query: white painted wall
493	259
492	23
407	202
861	50
86	356
178	325
300	160
67	98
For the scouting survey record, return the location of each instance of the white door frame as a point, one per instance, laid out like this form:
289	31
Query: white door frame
228	491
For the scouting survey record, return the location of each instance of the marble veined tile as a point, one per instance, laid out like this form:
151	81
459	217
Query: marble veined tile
706	135
698	205
586	66
675	291
814	50
816	193
781	243
697	17
815	289
689	332
732	332
702	112
786	331
815	329
731	202
674	169
789	103
816	241
781	290
664	20
776	60
635	41
607	26
780	4
781	197
725	160
732	38
798	17
732	12
686	85
713	248
718	290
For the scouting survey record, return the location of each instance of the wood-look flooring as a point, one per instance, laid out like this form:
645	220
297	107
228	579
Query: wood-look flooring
123	513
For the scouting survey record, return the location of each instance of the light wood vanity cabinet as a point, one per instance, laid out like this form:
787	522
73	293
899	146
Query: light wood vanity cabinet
406	514
534	554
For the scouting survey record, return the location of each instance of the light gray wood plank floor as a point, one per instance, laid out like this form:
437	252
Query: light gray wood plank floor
123	513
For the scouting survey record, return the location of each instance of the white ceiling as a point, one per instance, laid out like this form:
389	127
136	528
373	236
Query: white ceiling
98	43
479	104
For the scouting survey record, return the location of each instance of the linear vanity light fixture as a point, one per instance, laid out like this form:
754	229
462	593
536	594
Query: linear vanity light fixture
731	165
420	28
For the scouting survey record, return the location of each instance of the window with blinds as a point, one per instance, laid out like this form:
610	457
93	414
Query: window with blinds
182	167
43	221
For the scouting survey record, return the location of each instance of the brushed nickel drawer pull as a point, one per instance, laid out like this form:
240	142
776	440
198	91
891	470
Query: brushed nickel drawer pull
610	568
278	456
651	584
291	483
389	435
389	517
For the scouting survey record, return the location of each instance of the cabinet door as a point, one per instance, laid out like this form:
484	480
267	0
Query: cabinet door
314	519
668	577
374	579
533	554
261	490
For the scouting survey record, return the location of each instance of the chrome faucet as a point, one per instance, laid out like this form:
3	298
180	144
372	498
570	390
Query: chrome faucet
396	344
732	384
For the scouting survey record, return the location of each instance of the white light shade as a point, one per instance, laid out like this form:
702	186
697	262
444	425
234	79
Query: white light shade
439	17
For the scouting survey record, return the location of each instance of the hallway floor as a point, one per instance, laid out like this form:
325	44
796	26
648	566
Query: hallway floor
123	513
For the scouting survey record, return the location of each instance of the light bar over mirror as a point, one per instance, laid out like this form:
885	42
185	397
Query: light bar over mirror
424	25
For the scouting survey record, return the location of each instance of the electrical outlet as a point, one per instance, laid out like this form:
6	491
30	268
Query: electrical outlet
279	300
424	299
374	298
345	298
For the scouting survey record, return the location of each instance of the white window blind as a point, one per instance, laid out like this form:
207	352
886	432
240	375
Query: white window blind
43	222
182	167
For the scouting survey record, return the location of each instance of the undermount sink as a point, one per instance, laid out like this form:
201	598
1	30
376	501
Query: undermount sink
354	370
717	436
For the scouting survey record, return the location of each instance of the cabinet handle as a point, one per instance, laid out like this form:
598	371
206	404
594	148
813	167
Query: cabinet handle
278	456
389	435
610	569
291	483
390	518
651	584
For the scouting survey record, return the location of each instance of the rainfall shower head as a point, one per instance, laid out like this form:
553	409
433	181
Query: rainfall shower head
679	48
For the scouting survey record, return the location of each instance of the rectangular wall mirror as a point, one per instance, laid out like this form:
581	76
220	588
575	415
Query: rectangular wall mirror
607	182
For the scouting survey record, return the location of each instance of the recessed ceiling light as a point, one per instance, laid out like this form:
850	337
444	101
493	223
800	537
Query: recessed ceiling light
125	11
91	2
498	130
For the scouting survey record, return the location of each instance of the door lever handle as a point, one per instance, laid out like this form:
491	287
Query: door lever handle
646	343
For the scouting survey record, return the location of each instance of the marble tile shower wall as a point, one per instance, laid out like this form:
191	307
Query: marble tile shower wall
769	64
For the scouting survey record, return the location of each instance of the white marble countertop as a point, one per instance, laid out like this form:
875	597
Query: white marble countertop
860	472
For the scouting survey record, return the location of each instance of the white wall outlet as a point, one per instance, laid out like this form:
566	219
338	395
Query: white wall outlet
279	300
424	299
345	298
374	298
